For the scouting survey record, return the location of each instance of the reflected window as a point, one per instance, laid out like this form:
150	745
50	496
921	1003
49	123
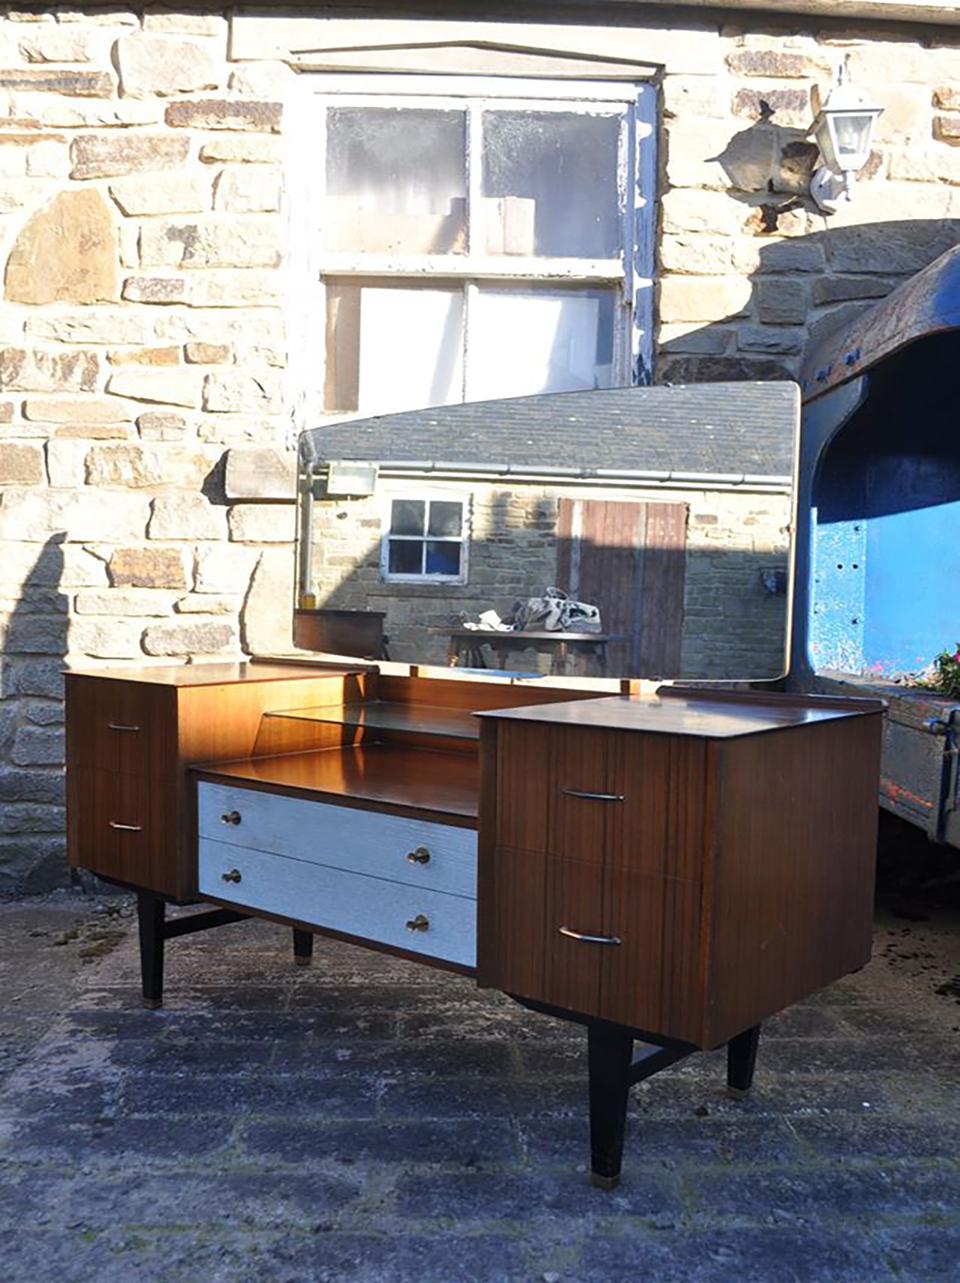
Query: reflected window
426	539
476	246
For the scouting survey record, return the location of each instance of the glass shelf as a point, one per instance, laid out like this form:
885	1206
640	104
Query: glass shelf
381	715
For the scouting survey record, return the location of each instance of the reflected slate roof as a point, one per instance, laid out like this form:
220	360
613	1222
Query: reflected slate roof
713	428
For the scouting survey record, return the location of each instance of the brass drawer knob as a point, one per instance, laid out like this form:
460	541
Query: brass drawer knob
419	923
420	856
233	876
230	817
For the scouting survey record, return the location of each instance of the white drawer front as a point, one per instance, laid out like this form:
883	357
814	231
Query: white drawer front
435	856
343	901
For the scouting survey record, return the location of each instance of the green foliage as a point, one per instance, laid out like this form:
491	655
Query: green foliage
945	675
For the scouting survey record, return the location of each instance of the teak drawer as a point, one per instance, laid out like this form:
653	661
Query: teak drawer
427	922
123	827
602	797
433	856
126	727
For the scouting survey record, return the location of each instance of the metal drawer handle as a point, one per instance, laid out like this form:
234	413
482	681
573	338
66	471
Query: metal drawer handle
230	817
420	856
594	797
588	939
419	923
118	726
127	828
233	876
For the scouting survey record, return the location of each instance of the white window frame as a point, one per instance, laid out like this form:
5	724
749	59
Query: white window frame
464	538
308	265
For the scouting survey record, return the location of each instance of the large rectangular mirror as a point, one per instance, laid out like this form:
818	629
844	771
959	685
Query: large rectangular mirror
630	532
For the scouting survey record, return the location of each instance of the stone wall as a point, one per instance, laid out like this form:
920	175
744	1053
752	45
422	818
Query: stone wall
147	389
733	626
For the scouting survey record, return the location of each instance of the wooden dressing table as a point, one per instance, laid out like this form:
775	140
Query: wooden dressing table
670	870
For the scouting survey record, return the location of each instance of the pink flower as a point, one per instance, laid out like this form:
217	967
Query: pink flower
956	656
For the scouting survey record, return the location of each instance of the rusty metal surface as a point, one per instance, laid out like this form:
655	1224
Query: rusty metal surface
927	304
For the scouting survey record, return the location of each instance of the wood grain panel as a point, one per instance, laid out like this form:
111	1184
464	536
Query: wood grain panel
574	899
142	855
523	774
581	761
793	888
510	921
121	726
476	695
664	571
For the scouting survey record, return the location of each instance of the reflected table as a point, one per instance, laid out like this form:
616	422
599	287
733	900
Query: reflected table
564	649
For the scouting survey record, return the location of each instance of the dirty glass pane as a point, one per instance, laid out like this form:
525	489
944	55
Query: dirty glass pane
396	181
406	557
445	518
540	339
393	347
443	558
550	184
406	517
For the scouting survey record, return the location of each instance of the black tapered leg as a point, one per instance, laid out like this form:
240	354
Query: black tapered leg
741	1061
302	947
150	917
610	1053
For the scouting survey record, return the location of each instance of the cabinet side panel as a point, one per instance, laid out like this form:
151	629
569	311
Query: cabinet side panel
795	867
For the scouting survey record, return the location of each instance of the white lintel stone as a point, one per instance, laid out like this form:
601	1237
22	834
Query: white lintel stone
164	65
162	194
260	474
163	385
186	516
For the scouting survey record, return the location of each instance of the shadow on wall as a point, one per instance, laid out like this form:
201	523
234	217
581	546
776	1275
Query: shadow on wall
34	637
802	288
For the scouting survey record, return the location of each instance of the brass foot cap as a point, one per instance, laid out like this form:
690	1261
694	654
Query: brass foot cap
737	1093
153	1004
301	962
604	1182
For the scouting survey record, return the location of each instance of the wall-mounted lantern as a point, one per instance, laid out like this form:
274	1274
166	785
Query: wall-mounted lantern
843	129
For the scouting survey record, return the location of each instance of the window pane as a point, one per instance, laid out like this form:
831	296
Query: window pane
396	181
406	516
392	348
406	557
445	518
530	340
550	184
443	558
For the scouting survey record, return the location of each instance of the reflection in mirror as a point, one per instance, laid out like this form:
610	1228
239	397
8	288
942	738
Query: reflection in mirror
630	532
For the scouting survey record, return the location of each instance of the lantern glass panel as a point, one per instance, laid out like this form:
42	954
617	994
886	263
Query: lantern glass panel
853	139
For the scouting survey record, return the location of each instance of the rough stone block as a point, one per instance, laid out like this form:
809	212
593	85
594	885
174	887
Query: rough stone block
761	338
118	639
237	391
113	155
789	106
162	427
782	302
926	165
224	569
261	523
164	386
56	44
947	129
225	113
778	64
254	149
264	627
248	287
248	189
221	243
38	746
703	298
146	602
59	80
838	289
164	194
21	465
144	356
35	634
103	325
66	253
65	463
193	638
186	516
35	515
129	466
207	353
32	817
42	677
31	786
702	211
207	604
696	255
155	64
44	712
721	369
693	338
155	289
32	370
90	410
260	474
947	97
147	568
